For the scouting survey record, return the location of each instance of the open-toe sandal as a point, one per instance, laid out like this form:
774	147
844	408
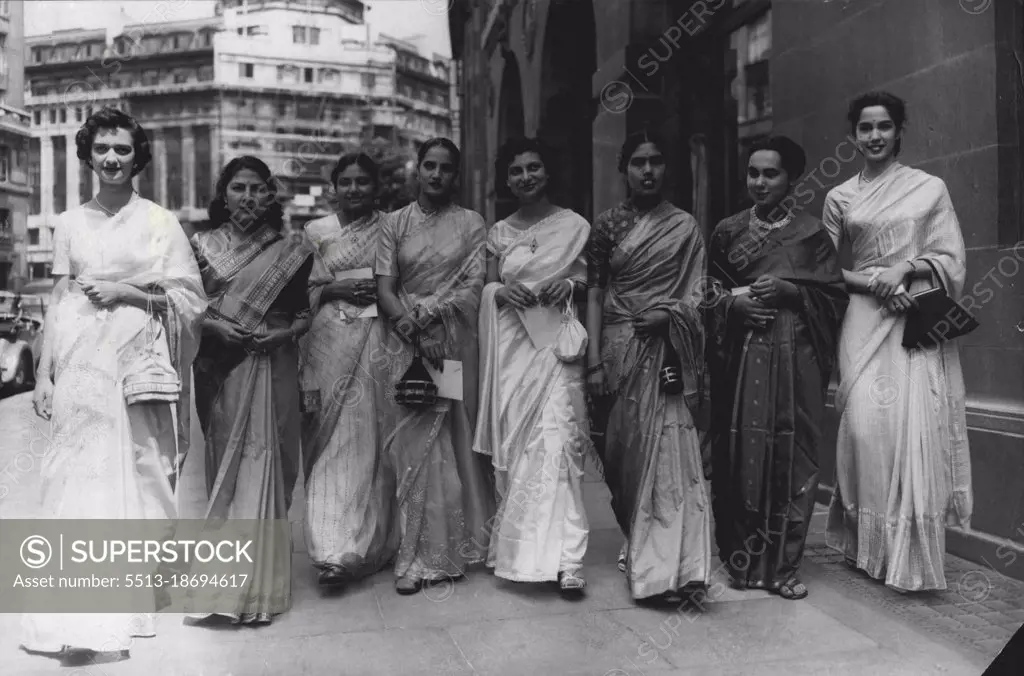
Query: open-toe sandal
571	583
792	590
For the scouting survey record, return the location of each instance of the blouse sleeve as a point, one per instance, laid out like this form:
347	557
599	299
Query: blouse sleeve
387	247
599	248
61	249
494	240
832	217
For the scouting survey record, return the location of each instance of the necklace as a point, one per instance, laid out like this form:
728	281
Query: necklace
766	225
108	211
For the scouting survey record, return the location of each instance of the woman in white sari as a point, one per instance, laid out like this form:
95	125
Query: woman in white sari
533	416
124	320
902	459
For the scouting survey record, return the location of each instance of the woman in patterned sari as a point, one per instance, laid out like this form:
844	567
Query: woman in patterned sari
430	272
351	529
772	332
646	263
902	459
533	416
246	373
127	295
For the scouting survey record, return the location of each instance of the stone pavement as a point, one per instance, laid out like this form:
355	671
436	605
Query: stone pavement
849	625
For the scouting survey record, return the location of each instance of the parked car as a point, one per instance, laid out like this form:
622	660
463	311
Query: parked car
21	340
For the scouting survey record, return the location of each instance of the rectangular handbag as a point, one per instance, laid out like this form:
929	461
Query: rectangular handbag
936	317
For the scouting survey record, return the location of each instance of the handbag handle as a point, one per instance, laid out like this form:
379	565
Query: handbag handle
935	273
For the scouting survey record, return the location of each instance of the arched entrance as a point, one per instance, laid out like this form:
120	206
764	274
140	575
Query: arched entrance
567	106
511	123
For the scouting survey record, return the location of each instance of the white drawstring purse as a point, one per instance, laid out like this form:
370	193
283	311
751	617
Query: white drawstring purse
571	342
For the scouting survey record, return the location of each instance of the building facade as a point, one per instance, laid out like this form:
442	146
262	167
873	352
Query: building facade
293	83
14	148
714	75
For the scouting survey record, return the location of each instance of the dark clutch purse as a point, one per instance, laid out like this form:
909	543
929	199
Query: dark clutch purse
936	318
670	375
416	389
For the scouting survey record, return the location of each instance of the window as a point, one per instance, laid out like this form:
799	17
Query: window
176	42
37	118
5	163
245	71
180	77
53	117
314	36
205	73
60	185
39	271
78	114
307	74
369	81
33	236
34	182
299	35
63	115
37	55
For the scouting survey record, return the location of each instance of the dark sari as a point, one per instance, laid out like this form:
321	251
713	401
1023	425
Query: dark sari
768	393
650	445
248	404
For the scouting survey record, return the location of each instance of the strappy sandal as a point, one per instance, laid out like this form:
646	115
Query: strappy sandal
407	586
571	583
792	590
622	558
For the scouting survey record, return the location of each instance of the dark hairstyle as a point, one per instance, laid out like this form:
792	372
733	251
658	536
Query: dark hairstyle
794	159
112	118
363	161
218	210
894	105
512	149
634	141
440	142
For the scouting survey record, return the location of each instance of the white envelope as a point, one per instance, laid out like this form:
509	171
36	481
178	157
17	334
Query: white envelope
542	324
740	290
448	381
359	273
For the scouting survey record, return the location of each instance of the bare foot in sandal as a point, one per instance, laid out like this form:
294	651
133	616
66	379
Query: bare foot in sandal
792	590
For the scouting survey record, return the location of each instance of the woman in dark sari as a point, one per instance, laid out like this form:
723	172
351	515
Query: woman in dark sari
777	305
645	266
246	373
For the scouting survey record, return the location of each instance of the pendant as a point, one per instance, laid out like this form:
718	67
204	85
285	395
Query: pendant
533	246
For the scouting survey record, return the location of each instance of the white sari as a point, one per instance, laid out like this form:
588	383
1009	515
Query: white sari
902	458
106	459
533	417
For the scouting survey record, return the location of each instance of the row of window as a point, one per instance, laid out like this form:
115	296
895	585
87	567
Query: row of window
126	45
61	114
295	75
150	77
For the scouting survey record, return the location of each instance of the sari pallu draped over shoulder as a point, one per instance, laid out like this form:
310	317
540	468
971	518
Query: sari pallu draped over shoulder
351	514
768	393
444	494
652	459
248	403
903	462
533	420
107	459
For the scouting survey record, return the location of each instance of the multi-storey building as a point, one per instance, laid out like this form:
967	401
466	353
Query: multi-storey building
712	75
294	83
14	139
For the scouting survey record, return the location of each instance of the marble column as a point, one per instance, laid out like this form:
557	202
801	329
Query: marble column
188	162
72	167
159	168
46	176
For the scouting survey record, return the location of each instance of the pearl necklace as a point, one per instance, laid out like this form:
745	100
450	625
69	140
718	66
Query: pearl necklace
108	211
765	225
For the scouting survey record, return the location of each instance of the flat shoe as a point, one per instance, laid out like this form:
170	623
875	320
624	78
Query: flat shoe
407	586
